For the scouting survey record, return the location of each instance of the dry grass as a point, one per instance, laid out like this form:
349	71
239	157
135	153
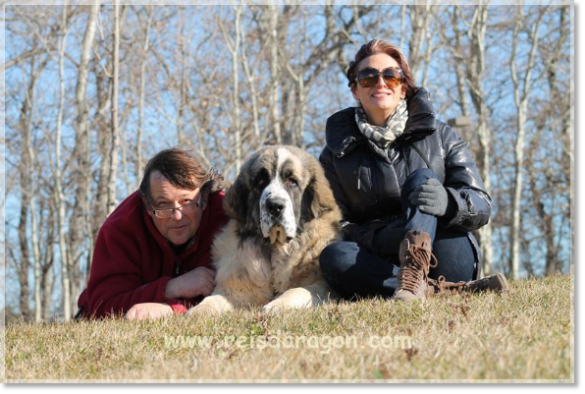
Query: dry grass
525	335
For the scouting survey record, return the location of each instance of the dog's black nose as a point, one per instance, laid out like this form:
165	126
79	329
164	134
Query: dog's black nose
275	206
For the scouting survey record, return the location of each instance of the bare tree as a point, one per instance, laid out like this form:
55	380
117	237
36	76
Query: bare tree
470	66
25	187
420	41
275	73
251	79
298	101
58	195
113	156
475	69
77	233
233	45
557	61
141	94
522	81
28	188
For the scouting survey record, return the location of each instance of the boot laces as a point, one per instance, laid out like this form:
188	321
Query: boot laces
418	262
442	286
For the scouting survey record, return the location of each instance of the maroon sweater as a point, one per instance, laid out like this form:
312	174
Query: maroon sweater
132	262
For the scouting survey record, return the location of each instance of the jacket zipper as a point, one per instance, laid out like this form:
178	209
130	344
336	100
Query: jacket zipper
177	268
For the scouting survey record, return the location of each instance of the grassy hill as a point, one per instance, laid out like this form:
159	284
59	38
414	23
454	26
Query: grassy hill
524	335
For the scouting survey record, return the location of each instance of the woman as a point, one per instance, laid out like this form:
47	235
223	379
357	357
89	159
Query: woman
407	185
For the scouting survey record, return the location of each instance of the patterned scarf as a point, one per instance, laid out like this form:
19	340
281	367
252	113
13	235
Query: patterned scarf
383	136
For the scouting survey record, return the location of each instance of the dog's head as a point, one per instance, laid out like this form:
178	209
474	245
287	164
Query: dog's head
279	190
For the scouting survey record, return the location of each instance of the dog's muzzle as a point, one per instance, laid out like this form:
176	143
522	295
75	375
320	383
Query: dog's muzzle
275	207
277	220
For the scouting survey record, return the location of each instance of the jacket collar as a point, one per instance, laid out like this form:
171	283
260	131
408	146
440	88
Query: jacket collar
342	134
421	118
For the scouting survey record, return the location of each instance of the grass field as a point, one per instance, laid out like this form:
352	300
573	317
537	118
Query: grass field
524	335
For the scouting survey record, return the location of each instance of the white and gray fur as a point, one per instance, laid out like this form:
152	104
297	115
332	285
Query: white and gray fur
272	260
277	191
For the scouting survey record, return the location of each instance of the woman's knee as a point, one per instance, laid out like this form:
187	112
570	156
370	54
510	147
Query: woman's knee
455	256
417	178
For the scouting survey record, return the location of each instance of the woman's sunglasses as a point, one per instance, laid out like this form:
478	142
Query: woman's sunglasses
368	77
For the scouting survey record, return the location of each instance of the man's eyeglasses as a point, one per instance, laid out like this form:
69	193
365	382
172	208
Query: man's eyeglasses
368	77
185	209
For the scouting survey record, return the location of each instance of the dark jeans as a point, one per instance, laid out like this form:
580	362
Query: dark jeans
352	270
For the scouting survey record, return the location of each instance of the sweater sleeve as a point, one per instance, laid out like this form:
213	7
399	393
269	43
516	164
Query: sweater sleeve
116	280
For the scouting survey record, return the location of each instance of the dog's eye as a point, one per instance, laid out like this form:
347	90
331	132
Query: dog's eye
261	178
292	182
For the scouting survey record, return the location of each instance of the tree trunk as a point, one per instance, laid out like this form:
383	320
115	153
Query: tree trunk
517	196
565	103
236	91
521	95
28	191
24	264
274	73
252	86
49	261
145	48
420	17
77	233
34	234
113	156
103	88
58	195
475	67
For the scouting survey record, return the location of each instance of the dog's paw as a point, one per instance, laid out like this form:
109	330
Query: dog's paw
211	306
297	298
282	303
273	306
202	310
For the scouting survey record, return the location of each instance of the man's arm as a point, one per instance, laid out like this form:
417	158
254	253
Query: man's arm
116	281
195	283
198	282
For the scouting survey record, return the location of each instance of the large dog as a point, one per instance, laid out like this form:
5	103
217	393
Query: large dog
282	215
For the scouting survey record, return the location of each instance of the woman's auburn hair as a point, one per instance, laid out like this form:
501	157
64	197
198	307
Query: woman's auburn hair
380	46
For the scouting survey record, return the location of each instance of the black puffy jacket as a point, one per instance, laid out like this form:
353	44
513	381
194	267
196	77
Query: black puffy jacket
366	180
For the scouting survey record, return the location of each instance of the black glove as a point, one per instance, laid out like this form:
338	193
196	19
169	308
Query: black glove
387	240
431	198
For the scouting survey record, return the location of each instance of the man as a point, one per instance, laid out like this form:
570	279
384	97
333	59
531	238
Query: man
152	254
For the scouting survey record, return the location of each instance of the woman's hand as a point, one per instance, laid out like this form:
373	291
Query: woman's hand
431	198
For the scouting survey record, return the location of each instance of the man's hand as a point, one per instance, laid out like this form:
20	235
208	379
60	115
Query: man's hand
198	282
149	310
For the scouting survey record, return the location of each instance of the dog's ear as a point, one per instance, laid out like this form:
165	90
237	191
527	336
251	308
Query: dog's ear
234	204
318	197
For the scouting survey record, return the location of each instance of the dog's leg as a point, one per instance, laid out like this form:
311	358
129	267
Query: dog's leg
300	298
215	304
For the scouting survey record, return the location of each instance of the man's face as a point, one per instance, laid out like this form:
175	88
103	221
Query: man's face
184	222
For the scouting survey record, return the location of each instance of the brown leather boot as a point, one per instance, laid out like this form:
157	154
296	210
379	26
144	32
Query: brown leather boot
415	260
496	283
